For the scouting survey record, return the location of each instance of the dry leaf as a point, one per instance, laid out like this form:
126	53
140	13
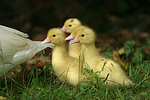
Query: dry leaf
40	62
147	50
116	57
121	51
3	98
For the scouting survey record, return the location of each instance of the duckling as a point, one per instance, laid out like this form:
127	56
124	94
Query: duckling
107	67
65	66
72	25
16	48
74	49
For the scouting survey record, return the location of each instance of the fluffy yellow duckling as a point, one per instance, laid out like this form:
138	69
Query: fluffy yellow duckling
15	48
65	66
74	49
73	25
70	24
95	61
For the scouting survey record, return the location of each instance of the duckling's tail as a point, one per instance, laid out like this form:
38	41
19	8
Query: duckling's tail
127	82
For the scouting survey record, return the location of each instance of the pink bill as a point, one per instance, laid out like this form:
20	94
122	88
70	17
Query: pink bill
75	40
46	41
70	37
63	29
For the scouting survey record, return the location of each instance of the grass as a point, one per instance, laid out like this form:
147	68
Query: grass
44	85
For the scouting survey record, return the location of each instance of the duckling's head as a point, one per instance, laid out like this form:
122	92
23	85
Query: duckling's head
84	36
55	36
73	34
70	24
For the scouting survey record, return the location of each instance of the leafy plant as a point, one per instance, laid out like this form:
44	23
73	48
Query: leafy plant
128	46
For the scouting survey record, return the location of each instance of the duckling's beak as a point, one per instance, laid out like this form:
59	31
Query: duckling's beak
75	40
46	41
63	29
70	37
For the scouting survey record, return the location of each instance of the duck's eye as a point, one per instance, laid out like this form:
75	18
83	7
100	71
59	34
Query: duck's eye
82	35
54	35
70	25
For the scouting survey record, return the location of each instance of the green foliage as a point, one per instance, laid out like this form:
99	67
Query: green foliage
45	86
107	53
148	41
137	56
128	46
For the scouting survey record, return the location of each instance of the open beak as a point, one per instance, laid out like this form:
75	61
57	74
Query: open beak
63	29
70	37
46	41
75	40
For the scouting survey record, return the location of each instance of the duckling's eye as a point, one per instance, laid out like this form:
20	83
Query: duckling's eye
54	35
70	25
82	35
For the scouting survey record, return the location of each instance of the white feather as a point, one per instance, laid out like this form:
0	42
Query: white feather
16	48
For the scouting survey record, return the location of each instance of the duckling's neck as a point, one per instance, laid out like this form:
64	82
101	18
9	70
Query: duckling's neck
90	51
59	51
74	49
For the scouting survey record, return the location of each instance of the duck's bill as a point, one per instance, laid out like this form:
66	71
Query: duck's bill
70	37
75	40
46	41
63	29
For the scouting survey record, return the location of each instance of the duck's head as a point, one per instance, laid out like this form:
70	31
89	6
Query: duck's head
84	36
70	24
55	36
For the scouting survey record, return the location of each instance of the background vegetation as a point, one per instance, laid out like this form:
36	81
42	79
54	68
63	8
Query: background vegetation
118	23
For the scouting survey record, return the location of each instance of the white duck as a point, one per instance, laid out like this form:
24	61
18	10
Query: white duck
16	48
107	67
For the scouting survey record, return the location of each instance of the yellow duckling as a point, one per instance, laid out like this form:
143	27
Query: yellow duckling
73	25
16	48
70	24
65	66
107	67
